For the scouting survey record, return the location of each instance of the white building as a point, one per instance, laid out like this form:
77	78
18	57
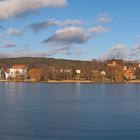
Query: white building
103	73
4	73
18	70
78	71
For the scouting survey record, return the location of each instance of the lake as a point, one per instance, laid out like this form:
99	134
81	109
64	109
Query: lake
58	111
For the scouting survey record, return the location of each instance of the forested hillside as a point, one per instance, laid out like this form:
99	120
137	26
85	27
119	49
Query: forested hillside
60	69
39	62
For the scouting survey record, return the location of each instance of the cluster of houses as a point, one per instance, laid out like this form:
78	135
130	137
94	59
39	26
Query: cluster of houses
128	71
15	70
20	69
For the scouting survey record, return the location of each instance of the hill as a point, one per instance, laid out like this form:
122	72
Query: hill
39	62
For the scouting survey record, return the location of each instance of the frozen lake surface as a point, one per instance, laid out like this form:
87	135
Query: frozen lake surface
43	111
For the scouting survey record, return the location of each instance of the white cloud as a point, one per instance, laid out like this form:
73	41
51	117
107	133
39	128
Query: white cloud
32	53
70	22
63	41
49	23
13	31
99	29
9	45
103	18
135	53
10	8
121	51
69	36
136	48
117	52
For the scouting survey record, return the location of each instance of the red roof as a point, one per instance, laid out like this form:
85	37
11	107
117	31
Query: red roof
19	66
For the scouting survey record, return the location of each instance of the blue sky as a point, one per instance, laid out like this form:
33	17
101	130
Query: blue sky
70	29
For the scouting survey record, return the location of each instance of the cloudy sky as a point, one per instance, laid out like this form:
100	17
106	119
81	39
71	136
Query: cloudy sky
70	29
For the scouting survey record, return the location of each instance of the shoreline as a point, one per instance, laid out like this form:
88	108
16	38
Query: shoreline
133	81
70	81
51	81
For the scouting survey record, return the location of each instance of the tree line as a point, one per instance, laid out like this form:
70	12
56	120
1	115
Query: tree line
43	69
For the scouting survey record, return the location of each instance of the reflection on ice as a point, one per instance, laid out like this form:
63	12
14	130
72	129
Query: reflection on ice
69	111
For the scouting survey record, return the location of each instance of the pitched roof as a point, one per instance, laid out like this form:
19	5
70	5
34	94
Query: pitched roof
19	66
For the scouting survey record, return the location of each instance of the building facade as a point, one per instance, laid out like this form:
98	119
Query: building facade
115	62
18	70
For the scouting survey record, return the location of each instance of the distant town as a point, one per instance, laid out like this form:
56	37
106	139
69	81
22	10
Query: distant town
57	70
